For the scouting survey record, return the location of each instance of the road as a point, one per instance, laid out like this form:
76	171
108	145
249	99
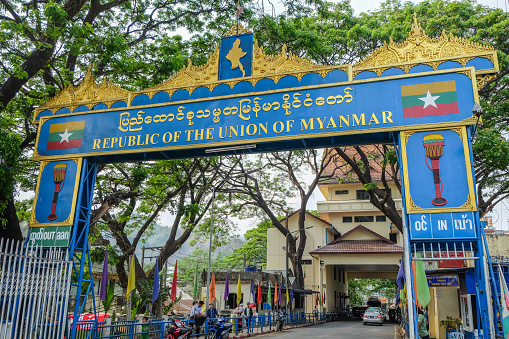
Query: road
339	330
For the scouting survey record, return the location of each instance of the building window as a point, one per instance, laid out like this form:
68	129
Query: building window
306	262
393	237
362	195
341	192
364	219
347	219
381	218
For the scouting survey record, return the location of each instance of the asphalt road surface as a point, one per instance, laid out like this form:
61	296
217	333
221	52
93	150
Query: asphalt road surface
339	330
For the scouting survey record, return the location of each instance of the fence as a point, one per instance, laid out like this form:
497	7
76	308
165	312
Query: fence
34	291
158	328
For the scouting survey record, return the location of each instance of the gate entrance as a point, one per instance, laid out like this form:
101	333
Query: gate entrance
418	96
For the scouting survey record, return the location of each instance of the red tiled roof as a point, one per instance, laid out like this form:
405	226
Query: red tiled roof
359	247
338	171
360	227
341	246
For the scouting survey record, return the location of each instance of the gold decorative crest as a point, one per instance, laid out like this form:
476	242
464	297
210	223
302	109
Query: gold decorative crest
420	47
264	64
233	30
87	91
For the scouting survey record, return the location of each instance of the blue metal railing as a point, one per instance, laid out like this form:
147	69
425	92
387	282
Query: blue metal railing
158	328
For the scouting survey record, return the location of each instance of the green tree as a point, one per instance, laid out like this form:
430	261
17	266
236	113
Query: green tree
261	186
47	46
359	290
254	251
332	35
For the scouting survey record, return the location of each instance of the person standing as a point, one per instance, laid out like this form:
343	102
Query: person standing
421	325
248	312
145	328
238	313
211	314
199	318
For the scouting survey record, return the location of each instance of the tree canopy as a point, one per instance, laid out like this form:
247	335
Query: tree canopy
45	46
333	35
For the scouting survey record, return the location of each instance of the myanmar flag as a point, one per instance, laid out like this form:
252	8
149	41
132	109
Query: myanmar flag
424	100
65	135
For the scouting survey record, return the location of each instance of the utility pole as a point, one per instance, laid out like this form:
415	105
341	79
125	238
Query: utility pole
162	283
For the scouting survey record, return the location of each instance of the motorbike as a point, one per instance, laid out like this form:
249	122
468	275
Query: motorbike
219	330
177	330
280	322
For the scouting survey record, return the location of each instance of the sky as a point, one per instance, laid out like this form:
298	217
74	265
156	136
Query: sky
367	5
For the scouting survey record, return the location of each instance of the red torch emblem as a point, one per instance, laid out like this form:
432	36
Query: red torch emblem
434	149
59	178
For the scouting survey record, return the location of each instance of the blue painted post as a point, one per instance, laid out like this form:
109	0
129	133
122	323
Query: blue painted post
261	323
79	241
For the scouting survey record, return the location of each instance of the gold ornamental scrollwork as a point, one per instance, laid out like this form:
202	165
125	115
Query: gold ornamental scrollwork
192	75
483	79
420	47
86	92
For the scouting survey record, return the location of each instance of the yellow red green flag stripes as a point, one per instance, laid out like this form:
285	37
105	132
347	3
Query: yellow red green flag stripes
429	99
65	135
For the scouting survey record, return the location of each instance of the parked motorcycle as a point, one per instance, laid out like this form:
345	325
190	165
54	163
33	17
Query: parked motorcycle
177	330
280	322
219	330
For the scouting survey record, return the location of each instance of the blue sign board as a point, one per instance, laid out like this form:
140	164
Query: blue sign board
56	192
450	280
433	226
366	106
437	171
235	56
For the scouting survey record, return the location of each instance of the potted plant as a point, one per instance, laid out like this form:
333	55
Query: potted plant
450	324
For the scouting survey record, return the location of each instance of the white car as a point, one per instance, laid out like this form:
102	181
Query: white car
373	315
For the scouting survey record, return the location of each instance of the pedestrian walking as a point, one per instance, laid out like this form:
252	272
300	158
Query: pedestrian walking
421	325
248	312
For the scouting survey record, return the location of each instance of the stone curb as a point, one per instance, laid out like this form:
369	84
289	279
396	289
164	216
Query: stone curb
247	335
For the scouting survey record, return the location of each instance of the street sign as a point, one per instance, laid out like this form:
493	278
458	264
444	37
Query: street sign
50	236
459	225
292	279
450	280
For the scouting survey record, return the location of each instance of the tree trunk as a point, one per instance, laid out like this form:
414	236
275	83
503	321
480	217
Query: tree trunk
11	229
